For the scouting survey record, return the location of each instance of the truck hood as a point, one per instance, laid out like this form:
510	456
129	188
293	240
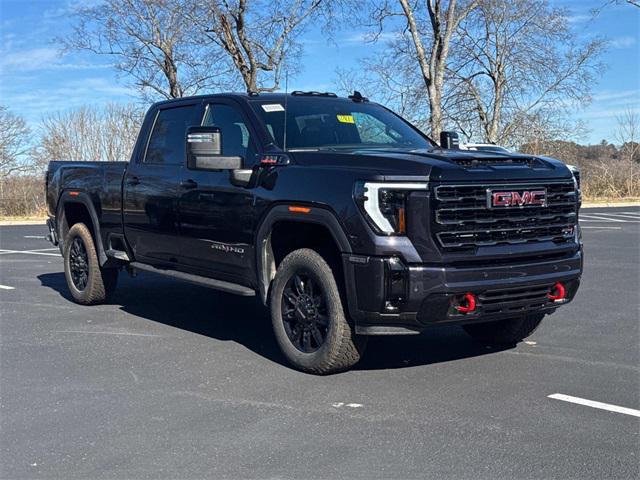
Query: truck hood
438	165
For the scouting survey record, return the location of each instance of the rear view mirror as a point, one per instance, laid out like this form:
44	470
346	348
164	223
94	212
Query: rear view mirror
204	150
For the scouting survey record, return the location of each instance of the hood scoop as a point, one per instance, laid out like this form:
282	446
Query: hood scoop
497	161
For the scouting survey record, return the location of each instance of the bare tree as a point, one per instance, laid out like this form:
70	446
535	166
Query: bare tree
259	36
628	135
89	133
608	3
420	50
153	41
14	143
517	59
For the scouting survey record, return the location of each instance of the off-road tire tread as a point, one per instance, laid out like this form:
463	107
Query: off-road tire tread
101	282
346	348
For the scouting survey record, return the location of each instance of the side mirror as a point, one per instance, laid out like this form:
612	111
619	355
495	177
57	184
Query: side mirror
204	150
449	140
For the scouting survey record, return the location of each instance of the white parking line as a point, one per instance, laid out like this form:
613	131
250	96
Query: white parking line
30	252
132	334
594	404
602	228
591	218
34	236
626	216
6	287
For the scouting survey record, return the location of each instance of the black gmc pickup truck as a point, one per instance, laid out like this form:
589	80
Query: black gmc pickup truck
342	217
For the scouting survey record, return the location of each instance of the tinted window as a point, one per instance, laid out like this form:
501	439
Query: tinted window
236	138
336	123
166	145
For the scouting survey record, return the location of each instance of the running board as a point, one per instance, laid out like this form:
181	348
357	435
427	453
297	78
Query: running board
198	280
117	254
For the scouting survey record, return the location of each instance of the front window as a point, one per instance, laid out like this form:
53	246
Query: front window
331	123
236	137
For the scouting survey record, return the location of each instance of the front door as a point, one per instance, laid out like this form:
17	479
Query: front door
217	219
151	187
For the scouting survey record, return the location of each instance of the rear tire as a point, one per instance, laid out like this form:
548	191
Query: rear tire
308	318
88	283
504	332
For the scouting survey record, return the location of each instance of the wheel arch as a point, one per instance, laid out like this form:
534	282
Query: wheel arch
75	207
319	217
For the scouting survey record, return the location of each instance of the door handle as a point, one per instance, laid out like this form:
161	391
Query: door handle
188	184
133	181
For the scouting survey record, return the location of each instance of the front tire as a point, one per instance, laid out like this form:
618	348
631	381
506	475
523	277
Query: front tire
88	283
505	332
308	318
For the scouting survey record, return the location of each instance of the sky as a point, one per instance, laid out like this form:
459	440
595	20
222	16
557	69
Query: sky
36	78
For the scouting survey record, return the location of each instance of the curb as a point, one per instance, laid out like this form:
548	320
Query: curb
11	223
610	204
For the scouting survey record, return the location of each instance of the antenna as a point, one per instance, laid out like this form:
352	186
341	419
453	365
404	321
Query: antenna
286	95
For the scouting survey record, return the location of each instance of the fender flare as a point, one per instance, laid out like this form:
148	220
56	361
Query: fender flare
81	198
317	215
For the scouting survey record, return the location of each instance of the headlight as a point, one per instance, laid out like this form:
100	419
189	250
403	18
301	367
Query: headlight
575	171
384	204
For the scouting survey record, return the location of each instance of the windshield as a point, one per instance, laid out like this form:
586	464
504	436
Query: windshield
331	123
489	148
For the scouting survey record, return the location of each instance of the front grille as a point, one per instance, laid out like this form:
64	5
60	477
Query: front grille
514	300
463	219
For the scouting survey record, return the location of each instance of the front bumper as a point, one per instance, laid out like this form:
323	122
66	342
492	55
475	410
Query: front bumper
388	297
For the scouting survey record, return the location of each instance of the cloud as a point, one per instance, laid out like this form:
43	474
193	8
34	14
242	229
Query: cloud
579	18
623	42
40	59
366	37
616	96
30	59
607	113
46	94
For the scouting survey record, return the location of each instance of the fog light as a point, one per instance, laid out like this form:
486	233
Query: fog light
396	284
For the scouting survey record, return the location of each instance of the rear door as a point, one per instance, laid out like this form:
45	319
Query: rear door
151	187
217	219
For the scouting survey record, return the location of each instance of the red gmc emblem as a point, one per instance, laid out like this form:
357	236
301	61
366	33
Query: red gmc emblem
523	198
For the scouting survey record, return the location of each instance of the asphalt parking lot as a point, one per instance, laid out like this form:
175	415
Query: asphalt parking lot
172	380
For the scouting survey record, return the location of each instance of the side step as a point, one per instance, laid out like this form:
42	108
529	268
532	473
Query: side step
197	279
117	254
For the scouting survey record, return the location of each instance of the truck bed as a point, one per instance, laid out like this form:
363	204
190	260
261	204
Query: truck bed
101	180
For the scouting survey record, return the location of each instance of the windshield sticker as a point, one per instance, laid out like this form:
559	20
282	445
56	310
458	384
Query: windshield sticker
345	118
272	107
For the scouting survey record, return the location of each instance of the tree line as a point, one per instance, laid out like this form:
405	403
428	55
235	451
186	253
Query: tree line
489	68
502	71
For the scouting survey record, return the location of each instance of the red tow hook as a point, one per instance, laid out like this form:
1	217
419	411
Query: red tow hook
467	303
558	292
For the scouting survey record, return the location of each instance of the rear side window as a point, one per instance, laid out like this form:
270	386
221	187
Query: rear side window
166	144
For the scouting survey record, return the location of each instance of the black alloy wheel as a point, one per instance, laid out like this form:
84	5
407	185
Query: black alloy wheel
304	312
308	318
79	264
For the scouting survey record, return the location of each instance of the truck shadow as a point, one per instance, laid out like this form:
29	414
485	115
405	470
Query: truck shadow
246	321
